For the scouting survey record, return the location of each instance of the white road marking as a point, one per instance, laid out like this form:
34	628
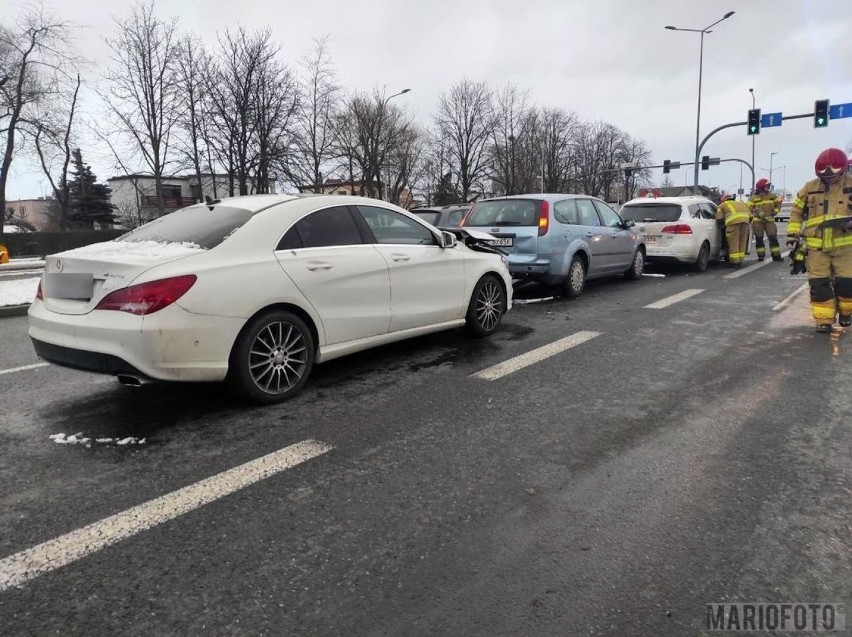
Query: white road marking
12	370
525	360
671	300
754	266
790	298
61	551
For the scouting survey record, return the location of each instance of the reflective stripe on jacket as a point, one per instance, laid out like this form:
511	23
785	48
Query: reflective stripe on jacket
815	204
765	205
735	212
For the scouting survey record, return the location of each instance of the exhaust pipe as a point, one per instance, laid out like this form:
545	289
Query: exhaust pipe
128	380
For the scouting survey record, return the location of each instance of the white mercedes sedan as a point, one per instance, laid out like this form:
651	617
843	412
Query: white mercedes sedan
254	290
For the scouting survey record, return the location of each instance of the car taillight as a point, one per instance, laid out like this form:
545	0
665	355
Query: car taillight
543	219
39	293
147	298
680	228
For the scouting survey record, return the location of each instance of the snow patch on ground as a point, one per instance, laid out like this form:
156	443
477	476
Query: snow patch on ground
79	439
18	291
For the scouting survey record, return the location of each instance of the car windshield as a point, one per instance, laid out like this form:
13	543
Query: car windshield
198	225
429	216
507	212
645	212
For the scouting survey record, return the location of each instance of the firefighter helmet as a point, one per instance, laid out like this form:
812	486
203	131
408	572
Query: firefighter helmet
831	164
762	184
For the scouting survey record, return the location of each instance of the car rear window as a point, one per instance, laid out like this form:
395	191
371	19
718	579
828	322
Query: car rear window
429	217
509	212
645	212
200	225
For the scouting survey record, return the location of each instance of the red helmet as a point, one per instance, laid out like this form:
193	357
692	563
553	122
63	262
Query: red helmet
762	184
831	164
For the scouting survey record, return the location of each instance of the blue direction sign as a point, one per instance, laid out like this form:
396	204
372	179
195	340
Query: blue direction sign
838	111
770	119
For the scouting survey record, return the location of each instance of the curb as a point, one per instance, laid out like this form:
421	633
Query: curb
14	310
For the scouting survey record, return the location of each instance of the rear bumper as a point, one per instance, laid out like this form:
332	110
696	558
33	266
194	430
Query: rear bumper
83	360
169	345
683	251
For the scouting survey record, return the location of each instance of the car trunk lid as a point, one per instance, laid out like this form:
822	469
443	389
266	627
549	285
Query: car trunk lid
515	224
75	281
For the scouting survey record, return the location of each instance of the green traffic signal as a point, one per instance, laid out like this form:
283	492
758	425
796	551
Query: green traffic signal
821	113
754	121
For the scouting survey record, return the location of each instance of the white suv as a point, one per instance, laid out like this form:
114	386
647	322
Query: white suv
682	229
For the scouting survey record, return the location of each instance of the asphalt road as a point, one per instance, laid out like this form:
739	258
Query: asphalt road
693	454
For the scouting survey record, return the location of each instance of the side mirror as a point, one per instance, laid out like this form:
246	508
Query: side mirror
448	239
629	223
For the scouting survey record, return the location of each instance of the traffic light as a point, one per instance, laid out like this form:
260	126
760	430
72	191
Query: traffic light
754	121
628	172
820	113
667	166
705	162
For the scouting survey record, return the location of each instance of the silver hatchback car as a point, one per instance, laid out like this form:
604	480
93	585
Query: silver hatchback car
560	240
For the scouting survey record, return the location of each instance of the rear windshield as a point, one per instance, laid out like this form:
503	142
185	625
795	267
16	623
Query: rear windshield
429	217
508	212
646	212
199	225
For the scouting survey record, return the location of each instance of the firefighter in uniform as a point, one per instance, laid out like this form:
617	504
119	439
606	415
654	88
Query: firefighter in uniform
821	217
764	205
735	215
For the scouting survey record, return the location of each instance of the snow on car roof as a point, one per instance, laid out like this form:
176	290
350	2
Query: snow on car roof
134	249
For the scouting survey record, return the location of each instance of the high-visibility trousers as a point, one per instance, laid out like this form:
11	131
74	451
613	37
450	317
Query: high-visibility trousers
4	254
830	279
759	226
737	236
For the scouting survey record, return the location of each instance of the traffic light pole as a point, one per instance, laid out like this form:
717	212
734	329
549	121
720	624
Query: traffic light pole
731	125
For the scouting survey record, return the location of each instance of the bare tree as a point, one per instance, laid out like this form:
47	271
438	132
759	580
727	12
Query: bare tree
53	144
314	143
191	65
466	121
368	129
33	56
435	177
253	98
276	105
557	130
142	90
403	163
509	109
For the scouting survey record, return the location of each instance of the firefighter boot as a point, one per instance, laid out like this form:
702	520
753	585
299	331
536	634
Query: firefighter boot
823	329
845	320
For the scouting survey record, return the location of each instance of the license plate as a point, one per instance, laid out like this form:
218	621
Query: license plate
652	238
506	242
78	285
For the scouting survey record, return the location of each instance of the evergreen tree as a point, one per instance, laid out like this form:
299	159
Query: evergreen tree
89	201
446	193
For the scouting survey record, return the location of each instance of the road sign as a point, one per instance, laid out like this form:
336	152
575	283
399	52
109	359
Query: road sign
769	120
838	111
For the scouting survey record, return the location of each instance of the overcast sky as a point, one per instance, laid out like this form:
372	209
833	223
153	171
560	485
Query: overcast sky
609	59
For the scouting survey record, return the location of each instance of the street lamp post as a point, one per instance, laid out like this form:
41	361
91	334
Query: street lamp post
379	132
700	74
753	137
771	157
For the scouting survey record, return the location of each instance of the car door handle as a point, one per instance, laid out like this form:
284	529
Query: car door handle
396	256
318	265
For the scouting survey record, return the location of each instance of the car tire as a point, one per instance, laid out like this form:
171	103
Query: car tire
703	259
486	308
637	267
576	279
271	358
